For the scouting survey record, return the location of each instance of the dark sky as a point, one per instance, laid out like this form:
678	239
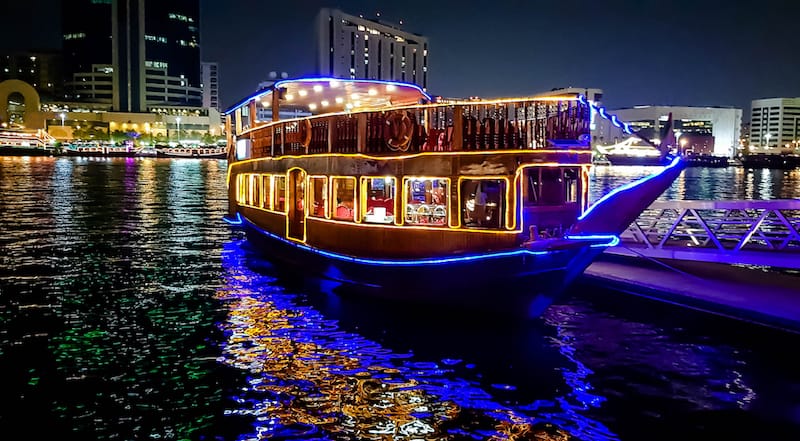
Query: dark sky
679	52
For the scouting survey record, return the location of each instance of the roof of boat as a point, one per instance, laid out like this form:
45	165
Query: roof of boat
330	95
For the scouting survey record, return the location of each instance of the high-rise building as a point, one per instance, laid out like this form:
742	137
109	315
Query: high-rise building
210	78
133	54
353	47
775	124
42	70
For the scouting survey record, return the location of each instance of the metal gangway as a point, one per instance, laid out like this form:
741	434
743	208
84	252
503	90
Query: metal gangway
763	233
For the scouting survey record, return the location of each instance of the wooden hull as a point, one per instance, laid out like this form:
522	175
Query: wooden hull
636	160
24	151
194	154
505	281
100	154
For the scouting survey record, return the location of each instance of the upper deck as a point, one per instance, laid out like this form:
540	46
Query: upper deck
387	118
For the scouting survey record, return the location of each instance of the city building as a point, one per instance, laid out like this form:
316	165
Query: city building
349	46
132	54
774	125
701	130
209	73
40	69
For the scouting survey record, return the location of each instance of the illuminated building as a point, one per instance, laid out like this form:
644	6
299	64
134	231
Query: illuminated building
210	75
354	47
775	124
707	130
134	54
39	69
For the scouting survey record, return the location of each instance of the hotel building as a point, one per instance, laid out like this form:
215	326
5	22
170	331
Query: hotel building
354	47
774	125
134	55
702	130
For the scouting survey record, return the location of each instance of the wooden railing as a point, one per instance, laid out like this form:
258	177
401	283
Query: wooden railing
531	124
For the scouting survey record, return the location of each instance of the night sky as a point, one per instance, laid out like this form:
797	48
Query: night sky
679	52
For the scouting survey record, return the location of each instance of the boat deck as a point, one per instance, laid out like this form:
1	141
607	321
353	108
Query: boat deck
765	297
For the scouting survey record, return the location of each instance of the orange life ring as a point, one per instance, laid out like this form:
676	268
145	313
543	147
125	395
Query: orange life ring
399	130
305	133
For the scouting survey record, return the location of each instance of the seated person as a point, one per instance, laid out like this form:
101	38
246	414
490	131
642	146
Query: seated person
344	210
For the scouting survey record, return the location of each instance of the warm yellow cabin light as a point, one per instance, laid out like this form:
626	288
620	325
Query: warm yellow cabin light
302	92
289	97
372	92
339	100
333	84
357	103
317	88
324	103
312	106
354	96
391	87
349	105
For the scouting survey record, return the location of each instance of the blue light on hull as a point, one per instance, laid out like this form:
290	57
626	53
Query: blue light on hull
612	240
675	162
235	221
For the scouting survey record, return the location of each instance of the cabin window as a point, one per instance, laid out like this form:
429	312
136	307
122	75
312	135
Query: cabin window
378	203
279	194
550	186
483	203
426	201
253	196
571	177
318	195
344	190
241	188
266	192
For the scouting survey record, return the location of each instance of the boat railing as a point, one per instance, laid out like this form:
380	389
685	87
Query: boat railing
503	125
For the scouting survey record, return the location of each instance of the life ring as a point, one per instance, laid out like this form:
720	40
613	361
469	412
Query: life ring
399	130
305	133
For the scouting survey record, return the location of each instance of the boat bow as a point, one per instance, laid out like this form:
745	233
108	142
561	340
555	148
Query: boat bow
612	214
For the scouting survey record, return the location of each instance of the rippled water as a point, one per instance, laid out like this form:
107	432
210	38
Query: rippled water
128	310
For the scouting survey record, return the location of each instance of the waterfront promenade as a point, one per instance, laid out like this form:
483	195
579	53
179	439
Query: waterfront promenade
760	295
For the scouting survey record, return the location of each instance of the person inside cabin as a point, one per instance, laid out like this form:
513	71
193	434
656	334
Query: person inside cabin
344	210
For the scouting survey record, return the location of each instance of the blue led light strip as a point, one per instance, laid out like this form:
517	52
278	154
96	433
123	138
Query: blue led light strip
235	221
635	183
602	111
612	240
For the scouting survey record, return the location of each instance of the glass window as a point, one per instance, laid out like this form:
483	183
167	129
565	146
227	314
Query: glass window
483	203
544	186
252	195
279	193
344	189
571	176
318	196
241	188
378	203
266	194
426	201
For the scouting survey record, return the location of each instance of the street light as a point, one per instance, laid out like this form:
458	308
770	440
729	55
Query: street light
63	116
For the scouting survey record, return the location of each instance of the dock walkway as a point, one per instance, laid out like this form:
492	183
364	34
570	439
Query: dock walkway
763	296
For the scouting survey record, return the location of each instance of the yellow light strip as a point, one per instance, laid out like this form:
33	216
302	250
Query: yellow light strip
416	227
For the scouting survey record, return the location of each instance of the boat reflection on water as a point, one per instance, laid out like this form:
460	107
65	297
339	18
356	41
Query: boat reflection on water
309	378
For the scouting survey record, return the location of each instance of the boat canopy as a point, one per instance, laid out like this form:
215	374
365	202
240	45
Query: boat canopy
331	95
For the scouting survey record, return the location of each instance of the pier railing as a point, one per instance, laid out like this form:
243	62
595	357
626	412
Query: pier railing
743	232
